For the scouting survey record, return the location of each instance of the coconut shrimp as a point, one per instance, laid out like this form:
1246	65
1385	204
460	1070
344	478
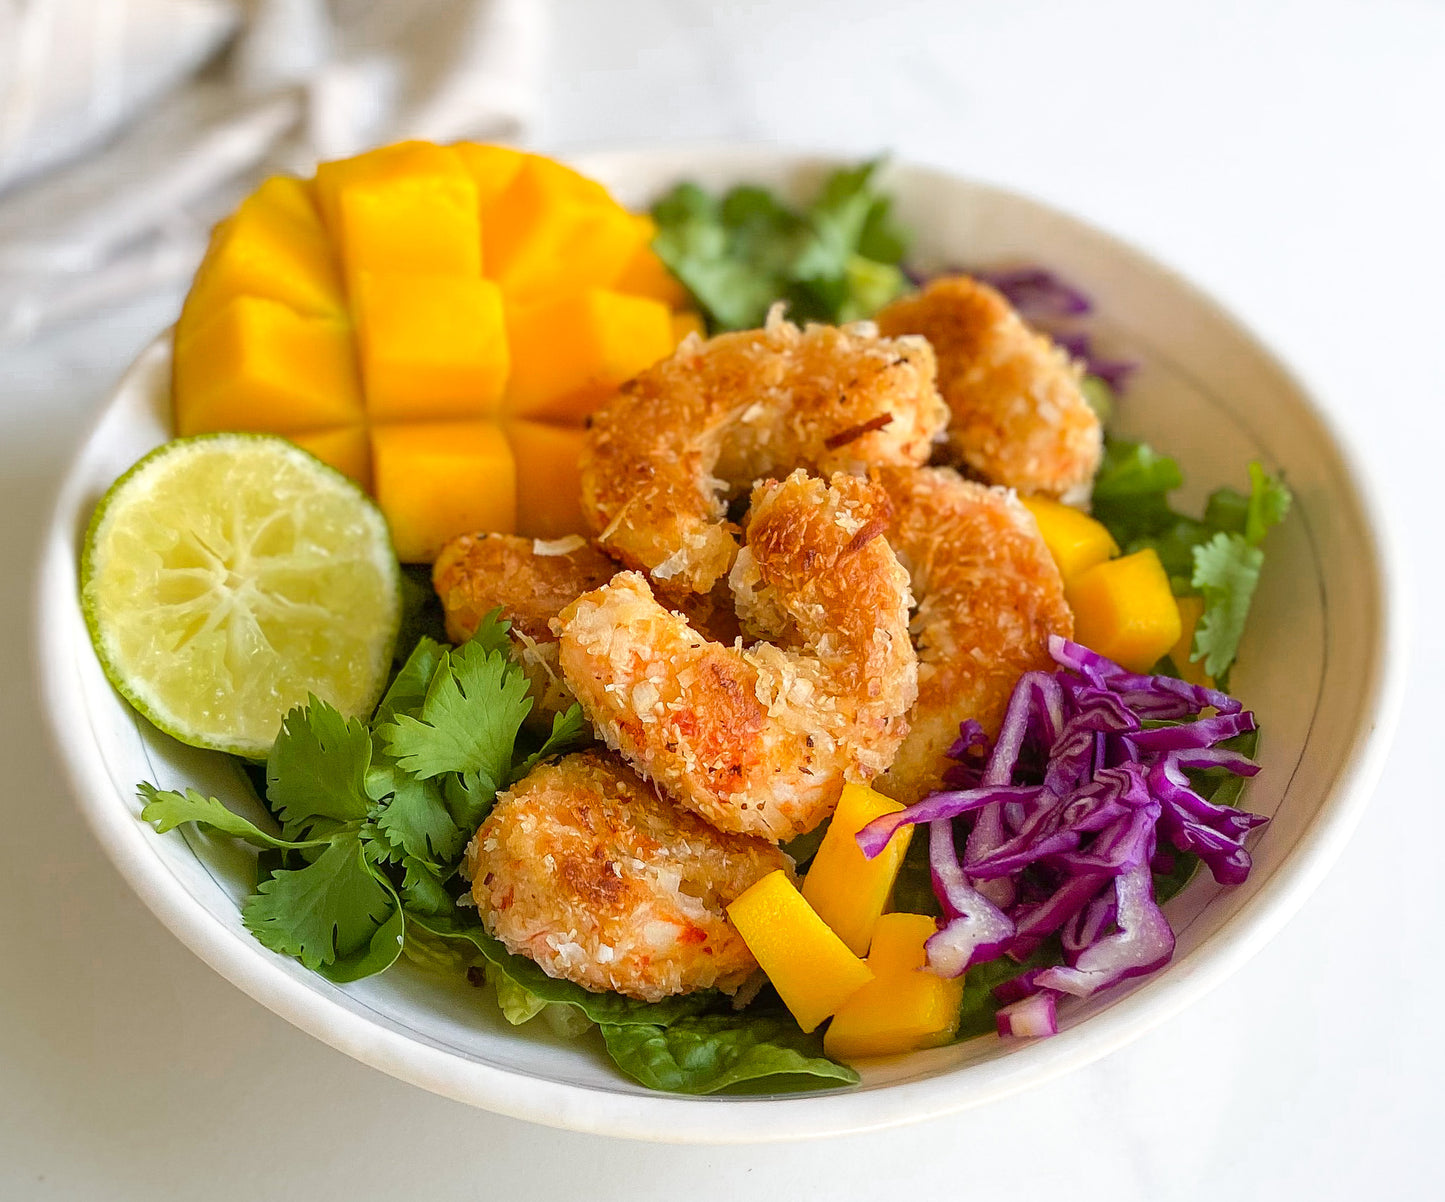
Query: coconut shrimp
664	456
989	597
583	868
1018	416
530	582
760	740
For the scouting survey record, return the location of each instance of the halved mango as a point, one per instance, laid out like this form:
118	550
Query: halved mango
847	890
810	967
273	246
904	1007
647	275
570	352
432	346
492	167
549	479
408	207
258	365
347	449
1124	609
553	231
437	480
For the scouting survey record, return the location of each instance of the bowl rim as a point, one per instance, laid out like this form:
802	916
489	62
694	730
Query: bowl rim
713	1120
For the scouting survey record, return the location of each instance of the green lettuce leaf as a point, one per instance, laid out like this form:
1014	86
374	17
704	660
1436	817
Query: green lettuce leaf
704	1053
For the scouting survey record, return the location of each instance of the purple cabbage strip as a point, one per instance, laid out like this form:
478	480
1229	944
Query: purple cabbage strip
1066	816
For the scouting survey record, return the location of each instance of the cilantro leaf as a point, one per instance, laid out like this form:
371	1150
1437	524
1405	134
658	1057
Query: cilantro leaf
1131	490
468	800
1226	572
569	730
413	816
422	889
323	913
316	772
835	260
378	954
166	810
469	721
408	690
704	1053
492	633
1269	502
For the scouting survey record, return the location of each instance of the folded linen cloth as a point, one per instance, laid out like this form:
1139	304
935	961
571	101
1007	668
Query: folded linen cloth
128	127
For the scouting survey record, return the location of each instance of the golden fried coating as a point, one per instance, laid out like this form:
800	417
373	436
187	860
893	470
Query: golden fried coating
583	868
989	596
531	582
477	573
663	457
760	740
1018	416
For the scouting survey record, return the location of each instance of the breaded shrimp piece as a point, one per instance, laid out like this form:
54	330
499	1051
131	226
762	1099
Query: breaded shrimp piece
583	868
663	457
531	583
1018	416
989	596
760	740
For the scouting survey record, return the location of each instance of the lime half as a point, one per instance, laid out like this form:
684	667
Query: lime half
225	577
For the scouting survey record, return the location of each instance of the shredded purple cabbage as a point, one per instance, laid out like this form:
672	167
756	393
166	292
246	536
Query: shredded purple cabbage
1064	819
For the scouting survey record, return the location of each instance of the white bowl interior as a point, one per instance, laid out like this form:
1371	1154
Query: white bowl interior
1320	666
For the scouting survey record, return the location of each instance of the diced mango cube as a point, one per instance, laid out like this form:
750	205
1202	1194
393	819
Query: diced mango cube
273	246
1191	609
492	168
686	323
554	231
437	480
432	346
571	352
847	890
1075	540
257	365
408	207
347	449
647	275
904	1007
810	967
549	479
1124	609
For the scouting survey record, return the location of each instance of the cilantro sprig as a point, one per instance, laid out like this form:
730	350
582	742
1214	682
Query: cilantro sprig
1218	556
836	259
374	816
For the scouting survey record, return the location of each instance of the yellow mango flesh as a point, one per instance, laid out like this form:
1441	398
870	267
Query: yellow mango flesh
647	275
258	365
441	479
339	310
408	207
553	231
684	324
1191	609
432	346
571	352
273	246
348	450
847	890
492	168
810	967
548	458
1125	610
904	1007
1075	540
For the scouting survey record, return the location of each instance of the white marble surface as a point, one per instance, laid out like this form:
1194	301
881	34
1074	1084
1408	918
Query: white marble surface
1286	156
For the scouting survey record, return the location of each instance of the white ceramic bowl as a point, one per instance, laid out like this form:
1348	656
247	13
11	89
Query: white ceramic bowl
1321	665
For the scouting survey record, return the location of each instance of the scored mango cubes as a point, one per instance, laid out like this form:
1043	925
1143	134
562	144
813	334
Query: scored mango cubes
438	322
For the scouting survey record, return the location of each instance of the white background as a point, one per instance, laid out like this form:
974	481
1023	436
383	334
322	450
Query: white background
1287	156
